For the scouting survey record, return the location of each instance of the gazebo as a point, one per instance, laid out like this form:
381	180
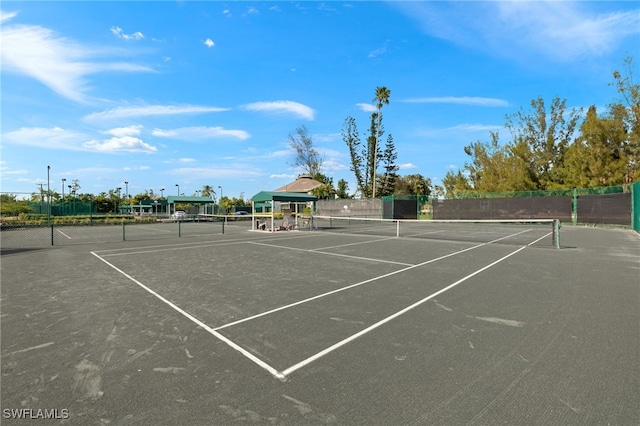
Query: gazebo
273	197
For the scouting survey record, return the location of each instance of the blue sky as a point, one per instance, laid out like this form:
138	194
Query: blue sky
207	93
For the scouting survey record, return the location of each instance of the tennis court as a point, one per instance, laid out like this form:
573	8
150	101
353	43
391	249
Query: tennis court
350	326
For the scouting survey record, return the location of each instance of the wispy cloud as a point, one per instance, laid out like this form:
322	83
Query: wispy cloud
57	62
118	32
200	133
366	107
124	131
209	43
287	107
561	31
49	138
214	172
460	100
57	138
407	166
151	110
120	144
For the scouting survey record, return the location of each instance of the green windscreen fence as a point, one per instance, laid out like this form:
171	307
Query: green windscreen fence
635	206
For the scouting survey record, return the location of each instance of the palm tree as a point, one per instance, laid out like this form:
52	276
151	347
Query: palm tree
208	191
381	98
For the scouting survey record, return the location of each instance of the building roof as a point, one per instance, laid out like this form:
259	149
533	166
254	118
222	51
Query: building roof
188	199
304	183
282	196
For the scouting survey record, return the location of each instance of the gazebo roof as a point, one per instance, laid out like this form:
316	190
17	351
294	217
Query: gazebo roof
304	183
282	196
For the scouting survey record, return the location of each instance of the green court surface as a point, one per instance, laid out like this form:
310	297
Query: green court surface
303	327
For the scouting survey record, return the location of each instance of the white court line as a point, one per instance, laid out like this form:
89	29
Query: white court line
332	254
352	244
68	237
300	302
343	342
282	375
238	348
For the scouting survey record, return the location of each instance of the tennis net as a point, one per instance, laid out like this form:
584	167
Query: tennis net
519	232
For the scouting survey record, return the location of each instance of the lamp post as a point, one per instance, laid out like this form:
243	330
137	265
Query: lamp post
63	181
161	192
118	200
74	201
126	191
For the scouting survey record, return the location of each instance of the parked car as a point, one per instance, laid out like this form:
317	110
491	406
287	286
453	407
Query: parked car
241	213
179	215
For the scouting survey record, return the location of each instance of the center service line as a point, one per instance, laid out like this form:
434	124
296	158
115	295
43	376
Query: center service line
300	302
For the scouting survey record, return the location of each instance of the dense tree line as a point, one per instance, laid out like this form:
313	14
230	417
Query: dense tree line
551	148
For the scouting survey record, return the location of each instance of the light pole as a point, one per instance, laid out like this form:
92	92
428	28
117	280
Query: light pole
126	191
178	186
161	192
63	181
220	202
118	200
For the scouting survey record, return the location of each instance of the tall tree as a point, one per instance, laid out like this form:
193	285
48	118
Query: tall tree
343	189
307	158
351	138
208	191
547	135
381	98
415	184
455	183
628	112
390	176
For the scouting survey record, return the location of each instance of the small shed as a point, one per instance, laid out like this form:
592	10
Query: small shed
273	197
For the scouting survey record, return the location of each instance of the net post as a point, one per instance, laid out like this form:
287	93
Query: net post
179	233
556	233
397	229
52	234
123	231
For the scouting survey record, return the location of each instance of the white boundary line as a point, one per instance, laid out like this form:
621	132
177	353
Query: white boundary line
243	351
68	237
331	254
283	374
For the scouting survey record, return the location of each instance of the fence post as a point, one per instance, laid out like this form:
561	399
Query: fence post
574	206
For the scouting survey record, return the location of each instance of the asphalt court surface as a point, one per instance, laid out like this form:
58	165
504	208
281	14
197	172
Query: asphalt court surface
307	328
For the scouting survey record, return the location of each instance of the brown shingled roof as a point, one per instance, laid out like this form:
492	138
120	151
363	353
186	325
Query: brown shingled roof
303	184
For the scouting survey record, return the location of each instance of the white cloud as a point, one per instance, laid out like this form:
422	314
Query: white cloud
214	172
120	144
460	100
51	138
561	31
117	31
282	176
151	110
366	107
252	11
209	43
289	107
137	168
200	133
186	160
6	16
57	62
407	166
124	131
